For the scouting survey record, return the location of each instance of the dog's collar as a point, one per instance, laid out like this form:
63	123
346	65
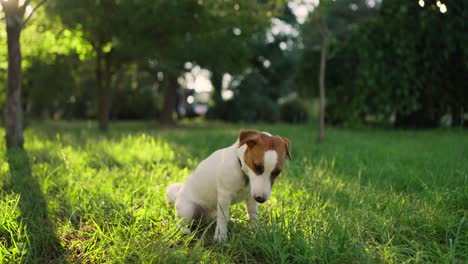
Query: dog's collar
246	178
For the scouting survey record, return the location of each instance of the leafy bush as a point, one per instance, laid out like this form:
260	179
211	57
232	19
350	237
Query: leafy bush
140	103
252	102
247	109
294	111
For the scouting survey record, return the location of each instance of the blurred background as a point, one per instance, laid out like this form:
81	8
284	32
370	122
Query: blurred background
389	63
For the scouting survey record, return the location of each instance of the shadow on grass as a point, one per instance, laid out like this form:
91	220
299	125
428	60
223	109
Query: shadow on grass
42	244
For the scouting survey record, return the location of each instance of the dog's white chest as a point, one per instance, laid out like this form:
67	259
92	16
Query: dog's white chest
241	195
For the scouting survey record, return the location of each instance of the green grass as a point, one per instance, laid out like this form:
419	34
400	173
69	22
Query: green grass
364	196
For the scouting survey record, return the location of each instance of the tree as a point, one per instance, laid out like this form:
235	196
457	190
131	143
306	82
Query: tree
416	70
100	22
326	31
325	35
162	35
53	52
14	16
147	32
49	52
262	63
320	14
166	43
231	37
213	34
409	65
405	64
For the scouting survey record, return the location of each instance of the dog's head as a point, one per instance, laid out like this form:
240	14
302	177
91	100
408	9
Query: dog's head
262	157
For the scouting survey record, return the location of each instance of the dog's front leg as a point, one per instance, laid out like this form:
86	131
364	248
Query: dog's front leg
252	209
224	202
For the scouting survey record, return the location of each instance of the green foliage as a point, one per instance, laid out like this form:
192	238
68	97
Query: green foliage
294	111
46	37
411	68
251	102
40	93
162	36
341	21
351	200
396	60
229	33
405	63
92	16
135	96
50	52
270	75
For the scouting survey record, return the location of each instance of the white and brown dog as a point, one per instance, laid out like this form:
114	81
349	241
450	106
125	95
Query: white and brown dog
244	171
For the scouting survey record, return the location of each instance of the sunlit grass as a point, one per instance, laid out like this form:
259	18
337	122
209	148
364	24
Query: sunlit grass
363	196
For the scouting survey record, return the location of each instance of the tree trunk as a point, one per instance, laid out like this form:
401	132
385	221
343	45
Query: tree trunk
217	82
169	105
457	116
103	78
13	109
118	85
323	65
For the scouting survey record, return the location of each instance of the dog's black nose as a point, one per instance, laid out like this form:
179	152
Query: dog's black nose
260	199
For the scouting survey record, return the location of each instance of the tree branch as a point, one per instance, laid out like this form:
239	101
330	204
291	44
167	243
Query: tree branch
25	4
32	12
3	6
323	28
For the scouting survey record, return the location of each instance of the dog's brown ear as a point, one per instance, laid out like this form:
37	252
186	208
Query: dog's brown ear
248	137
288	148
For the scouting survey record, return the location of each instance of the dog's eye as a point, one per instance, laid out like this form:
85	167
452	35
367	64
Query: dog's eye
258	168
275	173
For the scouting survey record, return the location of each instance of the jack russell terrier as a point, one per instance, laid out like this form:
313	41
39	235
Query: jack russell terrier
244	171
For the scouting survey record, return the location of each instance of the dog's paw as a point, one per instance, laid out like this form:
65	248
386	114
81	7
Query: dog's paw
185	230
252	217
220	235
220	238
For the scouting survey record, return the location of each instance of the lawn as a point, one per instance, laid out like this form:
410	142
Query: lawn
364	196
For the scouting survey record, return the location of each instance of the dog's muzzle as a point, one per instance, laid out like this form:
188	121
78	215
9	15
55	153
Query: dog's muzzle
260	199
